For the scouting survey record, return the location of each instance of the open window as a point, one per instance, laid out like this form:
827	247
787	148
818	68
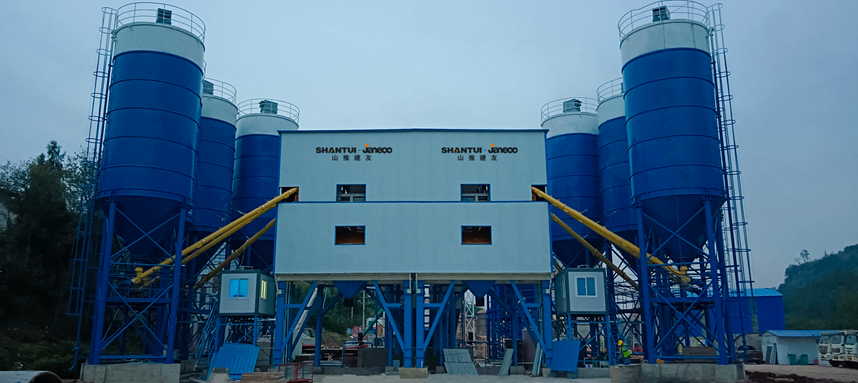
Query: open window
476	235
291	198
238	288
350	235
475	193
351	193
535	197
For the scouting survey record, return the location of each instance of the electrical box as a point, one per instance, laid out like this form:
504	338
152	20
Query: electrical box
660	14
208	87
164	16
247	293
580	292
269	107
570	106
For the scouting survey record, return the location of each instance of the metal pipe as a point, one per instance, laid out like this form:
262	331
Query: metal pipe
234	255
609	235
218	236
595	252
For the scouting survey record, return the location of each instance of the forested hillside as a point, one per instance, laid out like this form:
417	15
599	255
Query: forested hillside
821	293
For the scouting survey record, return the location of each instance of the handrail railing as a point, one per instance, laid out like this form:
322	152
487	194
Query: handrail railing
148	12
678	9
553	108
264	106
610	89
219	89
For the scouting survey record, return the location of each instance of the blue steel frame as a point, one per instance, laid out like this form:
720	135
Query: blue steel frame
412	324
151	309
673	313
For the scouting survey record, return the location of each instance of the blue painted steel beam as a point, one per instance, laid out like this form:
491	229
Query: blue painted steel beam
407	349
177	285
279	324
386	306
294	323
421	346
526	312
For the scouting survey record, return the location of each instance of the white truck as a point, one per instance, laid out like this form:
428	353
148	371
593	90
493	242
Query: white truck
839	348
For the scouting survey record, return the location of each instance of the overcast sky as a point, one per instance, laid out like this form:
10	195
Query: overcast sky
364	64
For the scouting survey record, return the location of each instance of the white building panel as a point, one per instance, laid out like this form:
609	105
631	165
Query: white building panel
413	237
425	165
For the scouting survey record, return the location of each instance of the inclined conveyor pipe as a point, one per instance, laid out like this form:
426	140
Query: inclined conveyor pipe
595	252
218	236
610	236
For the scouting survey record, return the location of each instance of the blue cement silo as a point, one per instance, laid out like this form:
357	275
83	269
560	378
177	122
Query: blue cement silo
674	150
257	170
215	161
572	149
152	129
614	163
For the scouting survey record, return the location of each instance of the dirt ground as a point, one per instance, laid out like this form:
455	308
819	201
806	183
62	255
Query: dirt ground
444	378
766	373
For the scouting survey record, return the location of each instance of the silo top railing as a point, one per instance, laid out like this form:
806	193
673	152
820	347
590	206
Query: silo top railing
161	13
219	89
678	9
556	107
269	106
610	89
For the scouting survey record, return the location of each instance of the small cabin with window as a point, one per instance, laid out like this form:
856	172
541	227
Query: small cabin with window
581	291
247	293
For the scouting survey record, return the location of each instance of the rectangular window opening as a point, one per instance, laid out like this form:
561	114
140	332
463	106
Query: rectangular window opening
476	235
351	193
350	235
586	286
475	193
535	197
263	289
291	198
238	288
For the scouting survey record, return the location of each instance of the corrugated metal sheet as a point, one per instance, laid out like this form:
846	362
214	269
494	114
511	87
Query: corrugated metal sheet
507	361
766	293
237	357
458	361
797	333
565	357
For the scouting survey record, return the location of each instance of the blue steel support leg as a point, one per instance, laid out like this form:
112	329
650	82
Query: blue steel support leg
407	333
419	325
515	329
388	333
317	357
177	286
103	282
643	276
716	291
279	325
547	326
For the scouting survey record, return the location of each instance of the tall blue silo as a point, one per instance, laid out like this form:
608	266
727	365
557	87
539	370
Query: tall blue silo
257	170
674	149
152	128
614	163
147	176
215	161
572	149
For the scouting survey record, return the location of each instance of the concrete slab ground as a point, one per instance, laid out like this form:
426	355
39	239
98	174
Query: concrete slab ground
837	374
130	372
445	378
